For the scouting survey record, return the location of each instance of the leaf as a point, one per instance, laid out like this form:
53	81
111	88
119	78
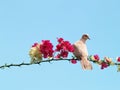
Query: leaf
118	68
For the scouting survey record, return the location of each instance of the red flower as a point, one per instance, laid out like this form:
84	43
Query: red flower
104	65
58	47
64	47
35	44
71	48
118	59
68	46
64	54
60	40
96	57
58	56
73	61
46	48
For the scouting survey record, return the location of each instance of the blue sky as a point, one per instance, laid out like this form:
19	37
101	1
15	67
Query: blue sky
23	22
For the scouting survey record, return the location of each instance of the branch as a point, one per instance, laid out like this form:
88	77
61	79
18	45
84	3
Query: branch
49	60
27	64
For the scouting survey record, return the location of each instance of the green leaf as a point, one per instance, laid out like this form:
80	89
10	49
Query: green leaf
118	68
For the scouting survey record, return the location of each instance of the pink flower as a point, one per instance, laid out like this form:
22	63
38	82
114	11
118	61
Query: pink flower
118	59
46	48
108	60
96	57
73	61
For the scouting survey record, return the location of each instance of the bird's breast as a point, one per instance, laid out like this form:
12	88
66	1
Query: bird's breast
81	49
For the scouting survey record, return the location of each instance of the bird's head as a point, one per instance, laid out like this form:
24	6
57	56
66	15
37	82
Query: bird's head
85	37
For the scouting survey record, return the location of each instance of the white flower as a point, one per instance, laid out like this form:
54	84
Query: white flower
35	54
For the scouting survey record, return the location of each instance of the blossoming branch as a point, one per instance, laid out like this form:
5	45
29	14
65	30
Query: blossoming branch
44	52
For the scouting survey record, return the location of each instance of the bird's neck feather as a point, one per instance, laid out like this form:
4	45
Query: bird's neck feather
83	40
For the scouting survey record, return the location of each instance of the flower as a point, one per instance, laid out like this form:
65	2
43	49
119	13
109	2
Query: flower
63	47
104	65
96	57
35	44
73	61
58	56
46	48
67	46
118	59
58	47
60	40
64	54
108	60
35	54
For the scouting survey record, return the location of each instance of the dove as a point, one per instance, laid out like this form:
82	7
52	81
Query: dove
81	52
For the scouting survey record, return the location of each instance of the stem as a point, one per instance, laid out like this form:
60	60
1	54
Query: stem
49	60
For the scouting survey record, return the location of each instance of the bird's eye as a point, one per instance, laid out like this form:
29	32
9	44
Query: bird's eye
85	36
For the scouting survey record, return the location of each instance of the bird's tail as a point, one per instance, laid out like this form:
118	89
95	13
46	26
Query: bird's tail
86	65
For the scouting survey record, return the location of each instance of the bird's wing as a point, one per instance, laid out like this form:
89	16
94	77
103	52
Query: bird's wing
80	49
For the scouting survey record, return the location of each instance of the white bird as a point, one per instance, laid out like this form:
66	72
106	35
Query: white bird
81	52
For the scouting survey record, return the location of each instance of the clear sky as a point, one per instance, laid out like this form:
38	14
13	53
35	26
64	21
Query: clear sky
23	22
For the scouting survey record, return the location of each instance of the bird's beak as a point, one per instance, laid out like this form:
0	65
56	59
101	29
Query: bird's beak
88	38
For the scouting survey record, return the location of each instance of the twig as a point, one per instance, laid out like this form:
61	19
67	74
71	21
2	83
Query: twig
49	60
